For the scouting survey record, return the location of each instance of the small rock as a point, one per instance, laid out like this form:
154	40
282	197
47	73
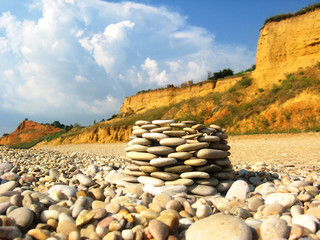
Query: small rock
239	190
158	229
272	228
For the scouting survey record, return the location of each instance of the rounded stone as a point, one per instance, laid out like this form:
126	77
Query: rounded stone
65	189
172	142
66	227
285	199
203	211
178	125
158	229
160	150
171	220
8	186
202	190
140	141
210	181
209	139
141	156
162	162
180	155
154	136
151	180
164	175
9	232
190	130
148	169
149	126
22	216
195	162
239	190
85	180
162	122
178	169
149	214
142	122
273	228
254	203
223	175
273	209
219	226
224	185
314	211
178	133
139	132
180	181
160	129
195	175
222	162
136	148
305	221
208	153
6	167
191	147
209	168
198	126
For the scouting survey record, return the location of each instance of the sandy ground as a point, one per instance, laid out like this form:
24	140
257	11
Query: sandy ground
287	149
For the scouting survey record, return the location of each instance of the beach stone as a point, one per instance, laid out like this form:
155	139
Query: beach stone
195	175
285	199
136	148
151	180
239	190
254	203
224	185
40	234
195	162
198	126
160	129
5	167
171	220
81	204
140	141
150	214
139	132
273	228
203	211
209	168
220	146
22	216
158	229
66	227
180	181
222	162
149	126
49	214
208	153
135	173
84	217
148	169
85	180
219	226
4	206
176	133
113	207
160	150
142	122
8	186
223	175
105	222
305	221
314	211
180	155
141	156
209	139
178	169
178	125
9	232
192	137
273	209
127	234
65	189
162	162
210	181
10	176
165	176
202	190
296	210
154	136
162	122
172	142
162	199
191	147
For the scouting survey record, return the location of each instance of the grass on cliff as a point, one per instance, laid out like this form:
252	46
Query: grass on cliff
279	17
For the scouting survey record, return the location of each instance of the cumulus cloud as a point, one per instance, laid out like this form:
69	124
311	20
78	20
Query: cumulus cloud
82	58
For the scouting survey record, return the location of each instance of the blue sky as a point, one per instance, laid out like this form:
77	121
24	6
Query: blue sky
76	60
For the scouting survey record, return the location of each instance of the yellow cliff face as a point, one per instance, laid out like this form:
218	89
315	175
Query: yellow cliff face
287	46
165	97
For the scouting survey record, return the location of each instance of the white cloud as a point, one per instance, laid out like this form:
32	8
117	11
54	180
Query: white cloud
80	58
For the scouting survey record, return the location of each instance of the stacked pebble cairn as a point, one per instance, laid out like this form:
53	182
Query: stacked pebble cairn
163	153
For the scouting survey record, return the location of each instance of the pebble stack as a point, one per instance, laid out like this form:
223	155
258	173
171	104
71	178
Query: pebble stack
164	153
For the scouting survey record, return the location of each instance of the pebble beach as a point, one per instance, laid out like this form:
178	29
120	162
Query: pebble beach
81	192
